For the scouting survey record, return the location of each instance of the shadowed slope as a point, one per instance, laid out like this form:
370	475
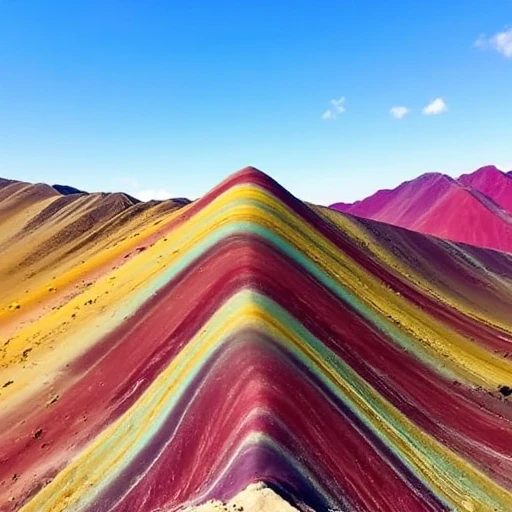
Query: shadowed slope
66	190
346	364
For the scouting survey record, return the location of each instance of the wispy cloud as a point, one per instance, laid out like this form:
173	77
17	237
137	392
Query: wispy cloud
159	194
399	112
134	188
337	107
438	106
501	42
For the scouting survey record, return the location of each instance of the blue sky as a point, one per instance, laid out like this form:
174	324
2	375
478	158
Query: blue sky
149	95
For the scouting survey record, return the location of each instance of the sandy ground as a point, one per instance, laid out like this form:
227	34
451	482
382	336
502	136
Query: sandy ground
255	498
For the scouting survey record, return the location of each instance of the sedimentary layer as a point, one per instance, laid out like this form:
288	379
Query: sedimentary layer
251	338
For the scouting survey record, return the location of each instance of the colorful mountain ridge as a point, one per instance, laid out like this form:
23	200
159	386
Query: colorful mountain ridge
173	354
475	208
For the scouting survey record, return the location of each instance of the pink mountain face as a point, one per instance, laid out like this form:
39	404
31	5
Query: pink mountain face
407	203
475	209
493	183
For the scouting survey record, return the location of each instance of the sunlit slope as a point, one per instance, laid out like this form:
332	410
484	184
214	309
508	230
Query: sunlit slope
249	337
475	209
53	243
493	183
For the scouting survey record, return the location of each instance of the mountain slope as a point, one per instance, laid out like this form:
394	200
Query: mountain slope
66	190
474	209
248	337
41	229
493	183
405	204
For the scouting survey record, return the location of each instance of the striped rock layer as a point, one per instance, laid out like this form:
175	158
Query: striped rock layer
251	338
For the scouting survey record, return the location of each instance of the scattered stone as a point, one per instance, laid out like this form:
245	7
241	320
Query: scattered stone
506	390
52	400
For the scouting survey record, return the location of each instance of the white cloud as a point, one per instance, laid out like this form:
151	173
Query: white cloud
481	42
438	106
132	186
399	112
159	194
501	42
338	107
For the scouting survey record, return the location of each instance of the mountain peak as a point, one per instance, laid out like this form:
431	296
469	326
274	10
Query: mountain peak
252	178
493	183
432	177
67	190
252	175
487	172
249	169
170	359
476	208
488	169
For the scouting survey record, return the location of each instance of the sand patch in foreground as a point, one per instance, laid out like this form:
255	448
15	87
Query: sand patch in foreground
254	498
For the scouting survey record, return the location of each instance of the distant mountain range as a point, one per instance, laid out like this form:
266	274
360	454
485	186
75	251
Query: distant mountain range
44	217
476	208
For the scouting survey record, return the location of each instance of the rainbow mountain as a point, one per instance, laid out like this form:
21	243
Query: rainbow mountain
172	354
